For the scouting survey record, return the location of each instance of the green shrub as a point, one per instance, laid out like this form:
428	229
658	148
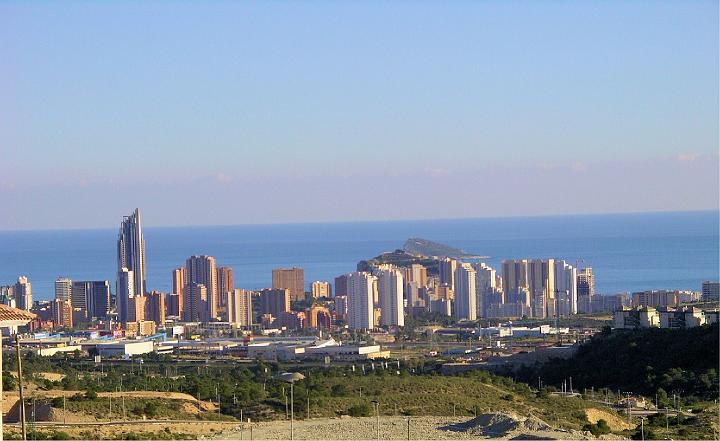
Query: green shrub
359	410
338	390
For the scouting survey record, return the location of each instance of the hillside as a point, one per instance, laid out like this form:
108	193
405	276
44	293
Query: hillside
424	247
644	361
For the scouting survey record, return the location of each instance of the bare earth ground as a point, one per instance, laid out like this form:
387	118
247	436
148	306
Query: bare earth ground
391	428
199	429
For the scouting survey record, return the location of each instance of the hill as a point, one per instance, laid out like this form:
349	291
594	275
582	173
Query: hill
646	361
423	247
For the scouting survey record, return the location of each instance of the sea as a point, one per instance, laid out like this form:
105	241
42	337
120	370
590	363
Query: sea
628	252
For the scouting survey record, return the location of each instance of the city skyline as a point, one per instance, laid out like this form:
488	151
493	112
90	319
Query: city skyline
262	107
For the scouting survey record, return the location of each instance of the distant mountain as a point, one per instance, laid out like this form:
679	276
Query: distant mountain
424	247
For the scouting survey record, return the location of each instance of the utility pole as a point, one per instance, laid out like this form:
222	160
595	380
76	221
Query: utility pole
642	428
20	382
64	410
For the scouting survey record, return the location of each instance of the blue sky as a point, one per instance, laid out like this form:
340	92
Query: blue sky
233	112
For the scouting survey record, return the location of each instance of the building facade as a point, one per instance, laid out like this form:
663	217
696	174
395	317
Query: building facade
292	279
360	301
465	305
390	285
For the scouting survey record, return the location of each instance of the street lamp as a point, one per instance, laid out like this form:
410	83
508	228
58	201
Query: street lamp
376	404
291	377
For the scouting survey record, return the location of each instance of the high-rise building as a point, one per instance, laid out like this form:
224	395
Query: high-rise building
341	285
63	288
90	300
155	308
531	283
447	267
444	292
23	293
541	283
710	291
195	302
585	290
486	288
515	277
390	284
416	273
61	313
225	284
320	288
565	288
80	294
274	301
291	278
586	282
465	305
178	282
414	295
130	261
239	307
200	270
360	300
125	291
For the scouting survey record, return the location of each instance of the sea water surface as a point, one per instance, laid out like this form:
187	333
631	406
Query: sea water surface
628	252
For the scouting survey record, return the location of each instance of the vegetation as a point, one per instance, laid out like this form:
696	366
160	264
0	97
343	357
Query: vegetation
597	429
424	247
402	259
649	361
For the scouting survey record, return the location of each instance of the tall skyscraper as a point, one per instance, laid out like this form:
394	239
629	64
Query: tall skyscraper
23	293
131	257
292	279
465	306
63	288
360	300
390	291
275	301
239	307
201	270
447	267
125	291
178	281
226	284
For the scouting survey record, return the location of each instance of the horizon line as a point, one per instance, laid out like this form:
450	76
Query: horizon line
370	221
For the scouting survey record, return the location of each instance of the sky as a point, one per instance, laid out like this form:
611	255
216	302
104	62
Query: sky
206	113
